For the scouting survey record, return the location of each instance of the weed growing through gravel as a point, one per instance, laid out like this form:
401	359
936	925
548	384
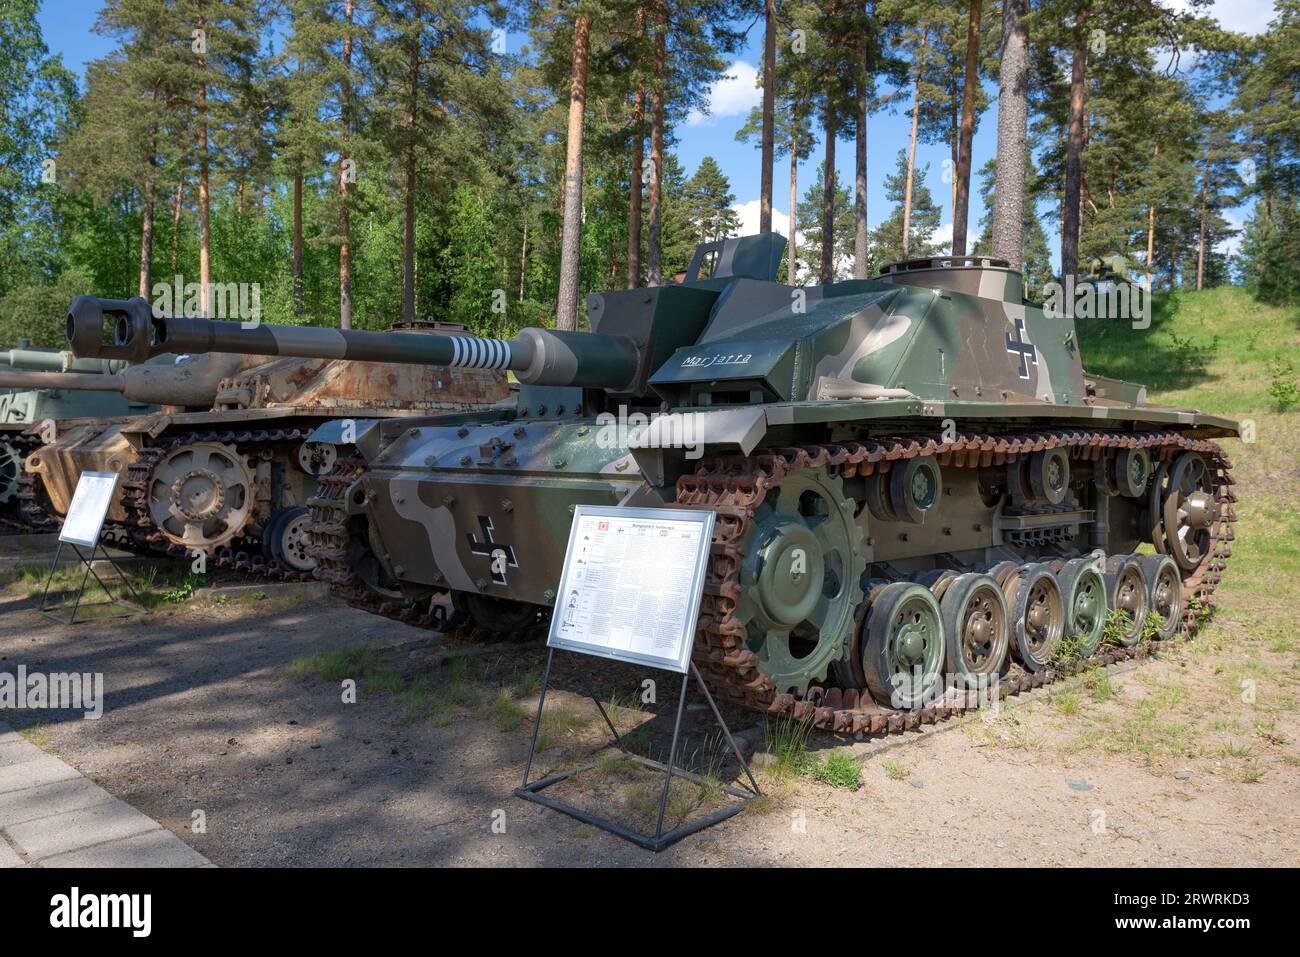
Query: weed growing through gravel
838	770
893	770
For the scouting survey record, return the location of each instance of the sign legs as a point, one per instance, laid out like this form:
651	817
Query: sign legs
531	791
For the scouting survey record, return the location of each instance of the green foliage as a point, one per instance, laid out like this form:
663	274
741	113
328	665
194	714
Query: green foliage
1282	387
838	770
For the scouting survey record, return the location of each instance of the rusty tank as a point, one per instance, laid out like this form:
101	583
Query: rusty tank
41	392
223	469
922	498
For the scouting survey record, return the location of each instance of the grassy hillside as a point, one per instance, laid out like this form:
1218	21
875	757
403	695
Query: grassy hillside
1219	351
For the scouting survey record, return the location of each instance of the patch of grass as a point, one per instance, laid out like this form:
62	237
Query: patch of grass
356	661
787	741
504	712
1118	624
893	770
1066	702
838	770
529	684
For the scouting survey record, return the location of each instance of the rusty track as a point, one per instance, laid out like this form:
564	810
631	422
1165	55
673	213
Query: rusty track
733	487
144	537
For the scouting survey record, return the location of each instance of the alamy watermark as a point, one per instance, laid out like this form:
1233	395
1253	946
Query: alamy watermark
673	430
25	690
231	301
1098	299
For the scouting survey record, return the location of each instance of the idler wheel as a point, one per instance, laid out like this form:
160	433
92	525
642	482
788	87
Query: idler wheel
1126	592
975	627
1188	511
1037	616
903	647
1084	592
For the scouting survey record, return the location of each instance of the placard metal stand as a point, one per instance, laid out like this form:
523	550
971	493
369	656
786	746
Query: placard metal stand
83	528
531	791
653	558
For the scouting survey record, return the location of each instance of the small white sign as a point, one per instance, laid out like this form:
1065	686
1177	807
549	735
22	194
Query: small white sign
90	504
632	583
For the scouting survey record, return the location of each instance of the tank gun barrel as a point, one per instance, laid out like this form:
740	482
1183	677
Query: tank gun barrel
128	329
24	380
52	360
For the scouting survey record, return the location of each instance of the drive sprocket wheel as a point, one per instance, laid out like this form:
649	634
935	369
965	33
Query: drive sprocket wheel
200	494
11	469
800	578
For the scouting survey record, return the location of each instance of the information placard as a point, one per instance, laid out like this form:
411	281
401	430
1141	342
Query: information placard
632	583
90	503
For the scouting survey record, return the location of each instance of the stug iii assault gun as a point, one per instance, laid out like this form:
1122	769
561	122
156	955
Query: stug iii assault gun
41	391
918	490
222	468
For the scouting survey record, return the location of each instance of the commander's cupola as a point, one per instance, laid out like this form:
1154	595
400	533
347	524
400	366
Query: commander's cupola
981	276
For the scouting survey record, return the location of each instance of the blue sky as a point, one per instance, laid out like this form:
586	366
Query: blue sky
67	26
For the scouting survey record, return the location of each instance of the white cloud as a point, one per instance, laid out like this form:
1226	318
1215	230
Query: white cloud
735	93
1244	16
942	237
748	213
1232	244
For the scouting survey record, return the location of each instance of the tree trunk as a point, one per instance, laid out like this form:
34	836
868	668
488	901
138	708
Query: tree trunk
1070	211
860	252
911	150
566	310
654	247
408	224
523	261
961	212
828	202
297	243
791	255
345	214
205	228
176	222
1008	227
769	118
634	200
1200	249
1151	226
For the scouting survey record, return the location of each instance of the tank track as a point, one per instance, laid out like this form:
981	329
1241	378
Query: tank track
144	537
733	486
34	513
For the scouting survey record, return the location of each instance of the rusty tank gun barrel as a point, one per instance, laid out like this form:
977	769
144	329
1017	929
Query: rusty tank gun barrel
128	329
24	380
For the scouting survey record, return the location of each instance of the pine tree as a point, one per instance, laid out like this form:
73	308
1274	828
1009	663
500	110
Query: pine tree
887	239
709	198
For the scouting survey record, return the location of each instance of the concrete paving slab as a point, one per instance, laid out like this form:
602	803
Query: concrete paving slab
8	858
109	820
35	772
29	804
159	848
57	818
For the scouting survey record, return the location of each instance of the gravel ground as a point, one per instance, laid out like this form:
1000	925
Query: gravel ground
206	711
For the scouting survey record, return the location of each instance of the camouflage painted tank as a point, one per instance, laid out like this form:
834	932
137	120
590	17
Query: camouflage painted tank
919	491
225	466
42	391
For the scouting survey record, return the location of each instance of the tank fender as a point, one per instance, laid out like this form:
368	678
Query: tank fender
361	433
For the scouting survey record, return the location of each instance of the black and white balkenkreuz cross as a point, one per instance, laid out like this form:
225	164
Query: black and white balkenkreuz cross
500	556
1023	348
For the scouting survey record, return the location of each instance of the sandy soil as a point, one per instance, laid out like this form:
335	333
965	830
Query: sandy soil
1190	759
